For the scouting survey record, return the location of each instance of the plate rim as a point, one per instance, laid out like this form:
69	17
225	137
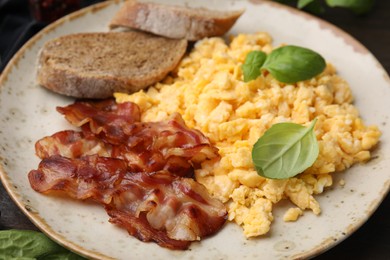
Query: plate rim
34	217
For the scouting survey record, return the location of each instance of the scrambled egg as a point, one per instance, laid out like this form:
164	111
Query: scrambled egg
209	91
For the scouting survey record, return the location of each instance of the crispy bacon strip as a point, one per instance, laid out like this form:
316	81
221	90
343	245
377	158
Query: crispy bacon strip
102	117
114	130
138	178
71	144
157	206
119	123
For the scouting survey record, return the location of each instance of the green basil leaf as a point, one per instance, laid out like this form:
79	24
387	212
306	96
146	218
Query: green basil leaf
285	150
358	6
315	8
290	64
289	2
302	3
28	244
253	62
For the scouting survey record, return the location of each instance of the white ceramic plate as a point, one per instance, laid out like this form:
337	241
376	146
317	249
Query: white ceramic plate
28	113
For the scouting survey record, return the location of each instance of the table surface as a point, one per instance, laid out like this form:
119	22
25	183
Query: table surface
372	240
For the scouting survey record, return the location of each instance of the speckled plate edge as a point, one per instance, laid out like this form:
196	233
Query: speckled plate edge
10	188
40	223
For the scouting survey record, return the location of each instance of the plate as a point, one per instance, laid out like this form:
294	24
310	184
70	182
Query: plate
28	113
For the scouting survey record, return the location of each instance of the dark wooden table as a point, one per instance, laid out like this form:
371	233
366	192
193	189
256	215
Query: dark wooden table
372	240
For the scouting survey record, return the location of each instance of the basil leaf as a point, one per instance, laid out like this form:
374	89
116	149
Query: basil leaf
358	6
290	64
285	150
289	2
253	62
27	244
302	3
315	8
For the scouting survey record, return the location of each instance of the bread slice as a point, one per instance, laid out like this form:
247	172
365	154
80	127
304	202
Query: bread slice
174	21
95	65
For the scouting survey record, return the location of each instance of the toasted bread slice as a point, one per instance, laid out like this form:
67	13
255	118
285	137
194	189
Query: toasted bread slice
95	65
172	21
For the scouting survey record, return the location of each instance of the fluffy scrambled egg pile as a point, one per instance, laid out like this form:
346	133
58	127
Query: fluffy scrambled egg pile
209	92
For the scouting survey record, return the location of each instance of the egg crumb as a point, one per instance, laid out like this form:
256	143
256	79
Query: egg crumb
292	214
209	92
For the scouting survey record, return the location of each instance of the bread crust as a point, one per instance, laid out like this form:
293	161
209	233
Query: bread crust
176	22
96	65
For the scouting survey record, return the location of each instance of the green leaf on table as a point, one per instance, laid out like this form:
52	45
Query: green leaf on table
253	62
358	6
285	150
62	256
290	64
28	244
315	7
302	3
288	2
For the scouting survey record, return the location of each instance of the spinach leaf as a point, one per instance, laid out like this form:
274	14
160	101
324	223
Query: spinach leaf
288	2
302	3
27	244
253	62
358	6
285	150
290	64
314	7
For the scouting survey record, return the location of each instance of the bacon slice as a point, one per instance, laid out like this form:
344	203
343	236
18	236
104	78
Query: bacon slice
156	206
102	117
178	161
135	169
71	144
119	123
114	130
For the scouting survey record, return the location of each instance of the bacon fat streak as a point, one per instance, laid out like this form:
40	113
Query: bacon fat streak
138	171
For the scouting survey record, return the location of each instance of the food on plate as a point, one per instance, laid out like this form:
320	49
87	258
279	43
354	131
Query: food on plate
152	206
287	64
179	22
211	95
292	214
114	130
285	150
95	65
141	172
138	154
